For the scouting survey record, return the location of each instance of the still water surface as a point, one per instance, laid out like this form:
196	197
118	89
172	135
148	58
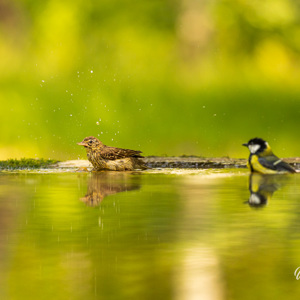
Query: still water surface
156	235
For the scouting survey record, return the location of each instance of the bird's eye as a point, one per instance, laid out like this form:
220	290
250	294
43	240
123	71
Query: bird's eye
90	142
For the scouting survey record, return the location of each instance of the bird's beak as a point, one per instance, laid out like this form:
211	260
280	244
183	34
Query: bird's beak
82	144
246	144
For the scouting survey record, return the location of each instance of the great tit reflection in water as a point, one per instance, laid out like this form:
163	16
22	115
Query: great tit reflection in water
262	187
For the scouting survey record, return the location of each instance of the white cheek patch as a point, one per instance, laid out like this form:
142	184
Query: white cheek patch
254	199
253	148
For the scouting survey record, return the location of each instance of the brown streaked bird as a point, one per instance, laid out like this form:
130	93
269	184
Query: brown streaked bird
103	184
103	157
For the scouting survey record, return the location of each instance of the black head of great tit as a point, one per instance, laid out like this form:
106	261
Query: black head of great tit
262	159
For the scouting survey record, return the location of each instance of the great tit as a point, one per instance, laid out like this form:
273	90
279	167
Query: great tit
262	159
262	187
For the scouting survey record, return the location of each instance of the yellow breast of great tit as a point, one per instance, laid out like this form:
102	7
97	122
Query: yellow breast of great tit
256	166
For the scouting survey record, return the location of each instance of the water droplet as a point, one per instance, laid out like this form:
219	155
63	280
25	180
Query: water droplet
215	115
92	71
97	123
71	115
43	80
203	106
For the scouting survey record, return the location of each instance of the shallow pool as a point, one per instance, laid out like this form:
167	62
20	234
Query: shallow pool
161	234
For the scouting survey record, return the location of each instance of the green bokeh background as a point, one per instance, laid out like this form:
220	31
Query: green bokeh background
165	77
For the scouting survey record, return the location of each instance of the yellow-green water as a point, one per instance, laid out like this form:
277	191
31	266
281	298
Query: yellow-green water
154	235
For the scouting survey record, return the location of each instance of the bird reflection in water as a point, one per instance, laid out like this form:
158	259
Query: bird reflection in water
262	187
104	184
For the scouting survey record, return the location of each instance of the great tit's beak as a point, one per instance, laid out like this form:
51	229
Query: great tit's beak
246	144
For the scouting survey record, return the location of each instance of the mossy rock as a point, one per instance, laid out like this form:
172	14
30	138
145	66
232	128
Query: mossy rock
26	163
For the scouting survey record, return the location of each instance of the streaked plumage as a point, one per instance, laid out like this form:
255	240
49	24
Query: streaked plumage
103	184
262	159
104	157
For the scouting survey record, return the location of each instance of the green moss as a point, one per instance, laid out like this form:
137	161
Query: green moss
26	163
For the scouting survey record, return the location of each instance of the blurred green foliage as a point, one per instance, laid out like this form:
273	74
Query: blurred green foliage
166	77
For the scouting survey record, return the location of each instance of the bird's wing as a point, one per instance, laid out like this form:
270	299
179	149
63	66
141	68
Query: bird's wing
275	163
113	153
